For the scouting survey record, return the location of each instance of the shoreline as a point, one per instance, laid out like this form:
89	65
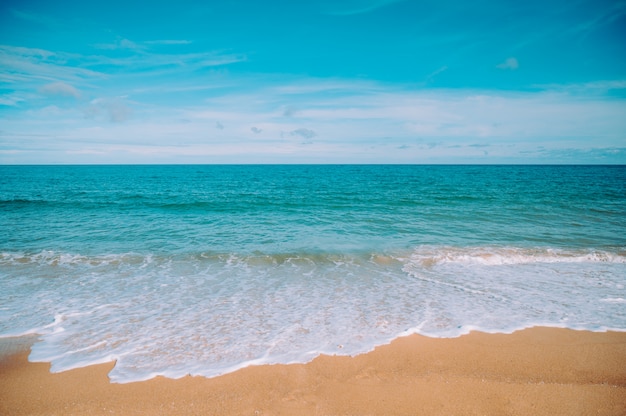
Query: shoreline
541	370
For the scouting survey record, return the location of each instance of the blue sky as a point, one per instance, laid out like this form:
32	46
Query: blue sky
343	81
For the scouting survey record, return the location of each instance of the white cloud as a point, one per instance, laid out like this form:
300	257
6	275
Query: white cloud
384	123
25	69
509	63
60	89
114	109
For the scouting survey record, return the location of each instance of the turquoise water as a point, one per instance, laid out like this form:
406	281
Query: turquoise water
205	269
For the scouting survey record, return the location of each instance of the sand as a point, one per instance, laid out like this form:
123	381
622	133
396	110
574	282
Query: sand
538	371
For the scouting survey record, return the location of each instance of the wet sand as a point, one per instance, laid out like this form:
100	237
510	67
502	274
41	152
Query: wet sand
538	371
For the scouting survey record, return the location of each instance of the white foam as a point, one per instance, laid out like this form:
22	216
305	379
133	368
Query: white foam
427	256
614	300
209	314
54	258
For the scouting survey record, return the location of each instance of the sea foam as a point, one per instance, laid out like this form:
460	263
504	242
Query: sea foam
208	314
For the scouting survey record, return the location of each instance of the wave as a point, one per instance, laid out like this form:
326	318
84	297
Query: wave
430	256
423	256
49	258
54	258
21	202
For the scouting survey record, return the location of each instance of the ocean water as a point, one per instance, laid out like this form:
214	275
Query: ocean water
201	270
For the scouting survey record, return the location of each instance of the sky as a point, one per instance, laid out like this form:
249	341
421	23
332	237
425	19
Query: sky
341	81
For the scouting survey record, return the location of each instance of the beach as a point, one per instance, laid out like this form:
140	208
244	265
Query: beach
539	371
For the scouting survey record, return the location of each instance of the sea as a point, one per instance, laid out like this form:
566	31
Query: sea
205	269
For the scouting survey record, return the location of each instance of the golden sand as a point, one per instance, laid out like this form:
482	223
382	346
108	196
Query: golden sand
539	371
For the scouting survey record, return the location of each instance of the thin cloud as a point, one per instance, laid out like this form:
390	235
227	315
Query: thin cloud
11	100
36	18
323	86
33	64
304	133
169	42
595	87
10	54
26	69
123	43
509	63
348	8
145	57
120	44
144	60
60	89
430	78
114	109
289	111
604	17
